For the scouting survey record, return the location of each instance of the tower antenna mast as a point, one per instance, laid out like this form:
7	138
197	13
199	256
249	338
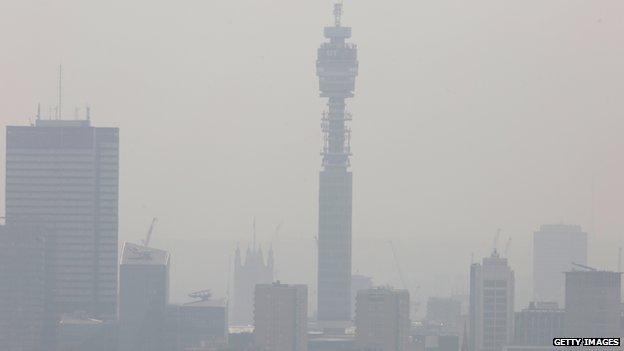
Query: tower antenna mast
60	92
338	13
337	68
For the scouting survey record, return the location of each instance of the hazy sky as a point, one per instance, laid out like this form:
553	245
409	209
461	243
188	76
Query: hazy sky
468	116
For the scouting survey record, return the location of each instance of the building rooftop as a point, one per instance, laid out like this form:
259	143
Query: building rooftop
62	123
560	228
206	303
78	319
133	254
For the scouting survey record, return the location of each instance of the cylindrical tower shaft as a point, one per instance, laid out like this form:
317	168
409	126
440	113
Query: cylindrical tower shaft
337	67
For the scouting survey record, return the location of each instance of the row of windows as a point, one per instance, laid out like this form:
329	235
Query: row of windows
56	167
31	182
25	151
41	217
60	187
56	195
106	156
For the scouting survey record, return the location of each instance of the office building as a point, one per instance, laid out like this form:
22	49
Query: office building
491	304
201	323
538	324
63	175
254	270
382	319
281	317
555	248
22	272
78	332
143	298
337	67
358	282
592	303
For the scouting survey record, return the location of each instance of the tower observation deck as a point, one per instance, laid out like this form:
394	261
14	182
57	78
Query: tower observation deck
336	67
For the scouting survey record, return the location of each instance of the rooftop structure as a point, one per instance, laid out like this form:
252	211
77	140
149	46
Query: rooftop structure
133	254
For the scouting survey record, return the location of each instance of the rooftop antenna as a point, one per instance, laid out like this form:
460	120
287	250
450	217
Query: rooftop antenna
60	92
337	13
593	205
253	233
619	259
495	246
229	277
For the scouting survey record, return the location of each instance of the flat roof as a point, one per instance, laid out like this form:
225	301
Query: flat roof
62	123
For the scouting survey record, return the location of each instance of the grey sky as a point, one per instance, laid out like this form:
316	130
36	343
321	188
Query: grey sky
468	116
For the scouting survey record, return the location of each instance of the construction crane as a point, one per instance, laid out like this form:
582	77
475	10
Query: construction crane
415	304
584	267
146	241
277	230
396	262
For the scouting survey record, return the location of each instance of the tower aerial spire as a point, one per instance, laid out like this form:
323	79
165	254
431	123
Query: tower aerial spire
336	67
338	13
59	110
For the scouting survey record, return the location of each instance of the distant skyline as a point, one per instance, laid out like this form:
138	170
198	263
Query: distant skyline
469	117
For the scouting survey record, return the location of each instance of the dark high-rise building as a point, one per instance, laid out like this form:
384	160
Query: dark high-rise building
491	304
143	297
555	248
538	324
592	303
63	175
281	317
382	319
247	275
337	67
22	273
